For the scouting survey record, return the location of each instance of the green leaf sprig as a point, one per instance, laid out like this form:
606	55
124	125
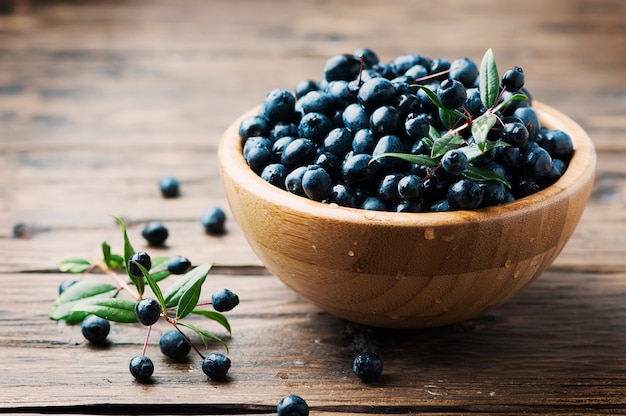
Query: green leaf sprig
93	296
457	122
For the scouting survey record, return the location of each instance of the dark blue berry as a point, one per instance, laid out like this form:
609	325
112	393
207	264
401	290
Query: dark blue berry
293	181
465	194
155	233
338	142
258	157
279	106
465	71
140	257
148	311
373	203
364	141
316	183
368	366
410	186
316	102
454	162
385	121
224	300
170	187
95	329
515	133
559	144
529	118
451	94
174	345
493	193
344	196
356	169
178	265
355	117
216	366
410	205
213	220
513	79
344	67
370	58
473	103
141	367
292	405
389	144
282	130
331	163
377	92
536	163
275	174
300	152
65	284
304	87
253	126
388	188
417	126
279	146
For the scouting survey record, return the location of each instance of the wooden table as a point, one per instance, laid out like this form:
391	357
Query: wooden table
99	99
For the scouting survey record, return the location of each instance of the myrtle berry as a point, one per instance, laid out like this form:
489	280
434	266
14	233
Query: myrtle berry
384	121
363	141
213	220
407	104
316	183
141	367
65	284
279	106
559	144
454	162
370	58
216	366
292	405
140	257
155	233
279	146
344	196
148	311
410	186
355	117
373	203
451	94
368	366
338	141
174	345
305	86
178	265
300	152
417	125
513	79
254	126
515	133
536	163
170	187
342	67
465	71
377	92
258	157
465	194
317	102
293	181
95	329
224	300
275	174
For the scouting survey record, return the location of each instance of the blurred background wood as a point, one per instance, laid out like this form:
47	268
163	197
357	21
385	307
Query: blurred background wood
100	98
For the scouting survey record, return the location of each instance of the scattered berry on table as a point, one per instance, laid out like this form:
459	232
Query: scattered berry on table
148	311
216	366
65	284
213	220
170	187
224	300
368	366
292	405
178	265
174	345
95	329
141	367
140	257
155	233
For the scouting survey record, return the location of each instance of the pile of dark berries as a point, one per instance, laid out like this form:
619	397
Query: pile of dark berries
411	135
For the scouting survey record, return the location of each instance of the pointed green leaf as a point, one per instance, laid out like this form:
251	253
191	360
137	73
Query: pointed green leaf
117	262
189	299
482	125
411	158
433	134
445	143
153	285
204	334
74	265
61	308
489	80
128	252
159	268
176	290
216	316
112	309
106	254
483	175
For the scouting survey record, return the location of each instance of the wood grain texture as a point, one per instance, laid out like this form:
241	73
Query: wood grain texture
100	98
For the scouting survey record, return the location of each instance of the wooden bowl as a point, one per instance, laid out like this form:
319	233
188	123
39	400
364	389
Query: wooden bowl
407	270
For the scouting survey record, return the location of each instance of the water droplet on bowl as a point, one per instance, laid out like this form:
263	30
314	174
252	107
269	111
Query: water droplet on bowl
429	234
350	253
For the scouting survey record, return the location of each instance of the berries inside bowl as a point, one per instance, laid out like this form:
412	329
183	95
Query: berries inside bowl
414	193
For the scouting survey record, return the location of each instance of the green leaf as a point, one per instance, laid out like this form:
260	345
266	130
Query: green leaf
153	285
489	80
204	334
515	97
216	316
448	120
106	254
74	265
445	143
189	299
180	286
433	134
112	309
128	252
482	125
117	262
411	158
483	175
159	268
61	308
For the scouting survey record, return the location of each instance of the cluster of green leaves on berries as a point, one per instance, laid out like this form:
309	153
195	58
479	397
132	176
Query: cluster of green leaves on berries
457	122
86	298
